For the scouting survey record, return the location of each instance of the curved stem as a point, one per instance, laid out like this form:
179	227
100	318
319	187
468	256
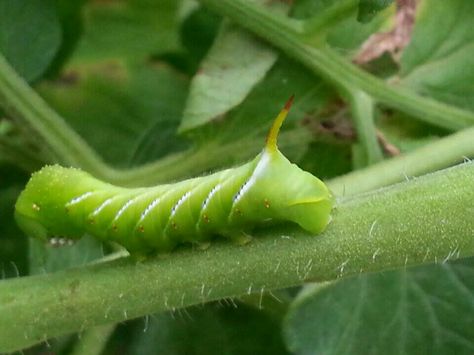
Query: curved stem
323	61
24	104
421	221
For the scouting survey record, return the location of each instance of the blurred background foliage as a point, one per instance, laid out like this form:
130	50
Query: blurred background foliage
144	80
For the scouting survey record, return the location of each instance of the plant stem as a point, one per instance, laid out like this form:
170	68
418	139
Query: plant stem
447	151
24	104
362	107
280	32
211	156
424	220
93	341
19	155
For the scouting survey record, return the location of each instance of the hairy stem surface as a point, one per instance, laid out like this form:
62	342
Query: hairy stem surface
424	220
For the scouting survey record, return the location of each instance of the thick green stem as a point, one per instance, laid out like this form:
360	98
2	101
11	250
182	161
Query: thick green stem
424	220
281	33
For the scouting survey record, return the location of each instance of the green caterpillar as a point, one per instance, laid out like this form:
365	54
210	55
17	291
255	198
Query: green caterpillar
61	204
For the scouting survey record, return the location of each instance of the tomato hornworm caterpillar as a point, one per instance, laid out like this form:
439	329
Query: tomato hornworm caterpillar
61	204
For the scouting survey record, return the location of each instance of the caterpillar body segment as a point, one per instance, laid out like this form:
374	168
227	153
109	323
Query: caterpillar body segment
67	202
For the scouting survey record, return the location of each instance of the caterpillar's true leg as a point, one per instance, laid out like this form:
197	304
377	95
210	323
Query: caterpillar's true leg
203	245
239	238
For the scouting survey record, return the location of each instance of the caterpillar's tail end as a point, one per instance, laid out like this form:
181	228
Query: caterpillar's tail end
272	137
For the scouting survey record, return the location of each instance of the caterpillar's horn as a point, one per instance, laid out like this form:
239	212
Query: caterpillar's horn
271	142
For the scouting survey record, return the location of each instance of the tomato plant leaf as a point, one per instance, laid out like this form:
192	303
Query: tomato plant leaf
132	30
399	312
30	35
236	62
238	329
224	79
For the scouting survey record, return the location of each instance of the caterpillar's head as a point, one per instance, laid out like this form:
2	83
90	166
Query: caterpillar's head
308	200
291	193
40	211
283	191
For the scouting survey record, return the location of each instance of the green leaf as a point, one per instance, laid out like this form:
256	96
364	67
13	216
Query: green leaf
406	133
71	20
236	62
236	329
131	30
349	34
326	160
136	107
198	31
369	8
30	35
438	61
426	310
224	78
339	20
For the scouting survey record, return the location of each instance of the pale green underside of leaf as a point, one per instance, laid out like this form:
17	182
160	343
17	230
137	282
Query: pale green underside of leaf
399	312
236	62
